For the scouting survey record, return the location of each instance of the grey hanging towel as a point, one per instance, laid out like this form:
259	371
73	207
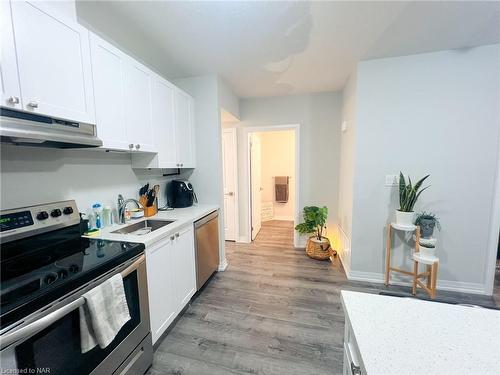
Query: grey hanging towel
281	188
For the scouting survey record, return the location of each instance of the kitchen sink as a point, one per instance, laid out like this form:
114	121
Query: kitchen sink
143	227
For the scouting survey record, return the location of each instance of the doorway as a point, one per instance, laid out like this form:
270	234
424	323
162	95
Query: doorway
273	175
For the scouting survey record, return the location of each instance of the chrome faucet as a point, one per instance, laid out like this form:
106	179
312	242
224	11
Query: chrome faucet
122	205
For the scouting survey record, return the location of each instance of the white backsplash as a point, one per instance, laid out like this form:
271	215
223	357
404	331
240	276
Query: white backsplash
36	175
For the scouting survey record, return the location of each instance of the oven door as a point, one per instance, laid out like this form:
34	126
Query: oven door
48	341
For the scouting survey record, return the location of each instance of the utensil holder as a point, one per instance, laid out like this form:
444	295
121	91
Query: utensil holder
150	211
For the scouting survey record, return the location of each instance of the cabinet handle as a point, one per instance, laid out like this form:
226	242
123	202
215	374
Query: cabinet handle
33	104
355	370
13	100
137	146
131	146
172	238
230	193
182	165
177	235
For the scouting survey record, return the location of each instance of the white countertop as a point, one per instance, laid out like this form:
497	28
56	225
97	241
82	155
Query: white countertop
410	336
180	216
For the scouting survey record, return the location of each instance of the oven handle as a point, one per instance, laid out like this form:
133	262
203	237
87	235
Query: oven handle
54	316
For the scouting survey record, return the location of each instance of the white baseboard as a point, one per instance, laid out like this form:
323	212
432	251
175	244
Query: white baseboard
223	265
286	218
243	239
453	286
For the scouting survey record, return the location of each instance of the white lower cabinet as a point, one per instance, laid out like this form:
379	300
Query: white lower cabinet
185	267
353	364
171	273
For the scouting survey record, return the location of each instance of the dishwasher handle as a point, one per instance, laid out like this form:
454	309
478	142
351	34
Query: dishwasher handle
206	219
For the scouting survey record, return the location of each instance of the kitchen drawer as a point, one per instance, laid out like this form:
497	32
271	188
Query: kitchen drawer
353	364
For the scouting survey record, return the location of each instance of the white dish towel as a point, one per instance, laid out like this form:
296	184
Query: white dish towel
103	314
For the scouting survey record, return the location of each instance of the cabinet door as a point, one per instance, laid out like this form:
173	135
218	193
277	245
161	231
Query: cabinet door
108	72
185	268
139	112
184	118
9	80
162	298
164	123
53	56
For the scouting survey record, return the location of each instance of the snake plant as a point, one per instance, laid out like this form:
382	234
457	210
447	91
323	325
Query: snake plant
408	193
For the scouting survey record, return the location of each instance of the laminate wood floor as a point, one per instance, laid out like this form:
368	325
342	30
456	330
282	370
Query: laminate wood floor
273	311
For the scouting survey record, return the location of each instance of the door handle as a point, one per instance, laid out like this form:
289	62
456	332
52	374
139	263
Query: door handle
230	193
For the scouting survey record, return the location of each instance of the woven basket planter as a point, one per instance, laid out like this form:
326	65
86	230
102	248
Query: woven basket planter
320	250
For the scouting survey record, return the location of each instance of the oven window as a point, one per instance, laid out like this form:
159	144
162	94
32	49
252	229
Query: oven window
57	350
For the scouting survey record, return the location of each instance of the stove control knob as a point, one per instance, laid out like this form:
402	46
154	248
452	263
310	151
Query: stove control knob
42	215
56	213
68	210
74	268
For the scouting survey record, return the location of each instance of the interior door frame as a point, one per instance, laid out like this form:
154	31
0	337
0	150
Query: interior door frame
493	236
234	136
274	128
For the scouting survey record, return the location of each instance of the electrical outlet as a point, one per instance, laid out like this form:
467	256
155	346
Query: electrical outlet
391	180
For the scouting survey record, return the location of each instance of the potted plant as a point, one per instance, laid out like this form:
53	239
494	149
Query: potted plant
427	222
427	250
318	246
408	195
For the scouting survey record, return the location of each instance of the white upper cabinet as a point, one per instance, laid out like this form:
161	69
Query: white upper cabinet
138	93
108	70
164	123
184	125
53	57
9	80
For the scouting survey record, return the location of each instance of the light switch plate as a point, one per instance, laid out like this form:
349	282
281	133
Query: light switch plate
391	180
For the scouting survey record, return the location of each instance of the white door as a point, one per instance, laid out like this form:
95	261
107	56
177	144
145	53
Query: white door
108	71
184	266
9	79
161	291
139	106
53	56
256	185
184	119
230	173
164	123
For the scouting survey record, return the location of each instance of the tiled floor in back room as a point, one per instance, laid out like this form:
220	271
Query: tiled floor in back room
273	311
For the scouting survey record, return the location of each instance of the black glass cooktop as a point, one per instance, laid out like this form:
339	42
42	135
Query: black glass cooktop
42	268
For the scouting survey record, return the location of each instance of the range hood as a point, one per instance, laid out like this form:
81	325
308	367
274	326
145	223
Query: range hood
27	129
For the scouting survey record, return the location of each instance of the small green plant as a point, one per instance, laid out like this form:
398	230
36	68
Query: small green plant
314	221
427	216
408	193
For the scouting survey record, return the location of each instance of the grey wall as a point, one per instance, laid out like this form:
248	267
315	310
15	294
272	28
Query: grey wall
319	116
434	113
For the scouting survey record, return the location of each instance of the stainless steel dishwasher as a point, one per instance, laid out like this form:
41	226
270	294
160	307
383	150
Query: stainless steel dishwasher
207	247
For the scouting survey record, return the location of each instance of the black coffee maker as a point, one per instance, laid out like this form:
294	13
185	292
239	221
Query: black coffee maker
180	193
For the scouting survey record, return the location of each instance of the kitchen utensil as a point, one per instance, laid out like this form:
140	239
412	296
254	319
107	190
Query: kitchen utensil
151	198
156	189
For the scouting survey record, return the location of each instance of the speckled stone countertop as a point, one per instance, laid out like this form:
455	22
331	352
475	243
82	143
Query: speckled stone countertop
410	336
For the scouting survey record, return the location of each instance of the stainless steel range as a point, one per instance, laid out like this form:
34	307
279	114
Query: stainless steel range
46	267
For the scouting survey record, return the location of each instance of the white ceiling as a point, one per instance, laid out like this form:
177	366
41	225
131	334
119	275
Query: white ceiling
279	48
